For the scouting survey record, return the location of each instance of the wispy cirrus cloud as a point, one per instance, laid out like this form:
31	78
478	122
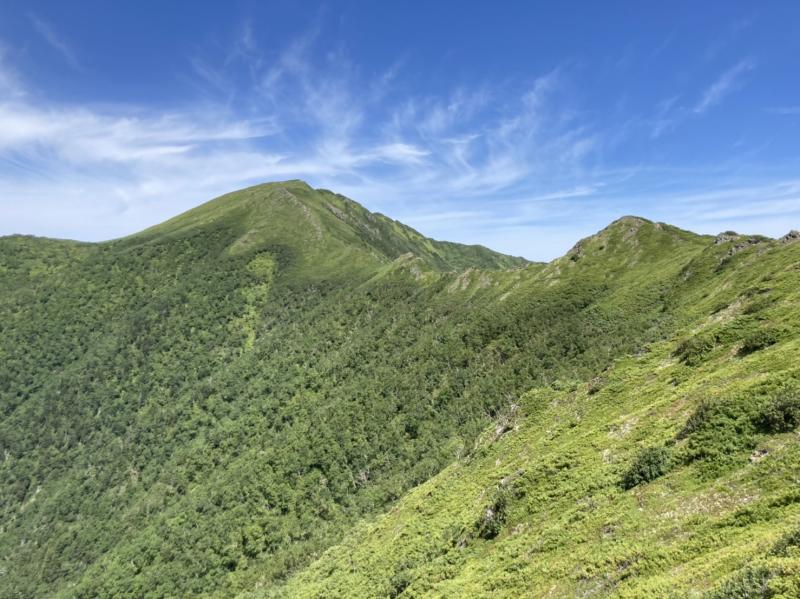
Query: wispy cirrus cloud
784	110
49	35
520	165
673	111
668	115
295	115
11	85
727	82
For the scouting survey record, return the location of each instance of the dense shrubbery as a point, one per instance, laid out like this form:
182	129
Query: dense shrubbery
758	340
781	414
692	350
749	583
648	465
767	577
787	543
697	419
399	581
717	431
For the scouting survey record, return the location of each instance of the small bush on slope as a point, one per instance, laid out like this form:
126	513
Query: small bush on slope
649	464
692	350
750	583
790	542
758	340
494	515
782	413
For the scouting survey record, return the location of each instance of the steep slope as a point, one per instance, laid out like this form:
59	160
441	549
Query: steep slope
672	473
206	406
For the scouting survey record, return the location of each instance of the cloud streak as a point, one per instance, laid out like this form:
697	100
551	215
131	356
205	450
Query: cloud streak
785	110
726	83
517	166
300	115
49	35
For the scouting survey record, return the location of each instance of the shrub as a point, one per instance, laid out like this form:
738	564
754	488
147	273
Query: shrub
781	414
719	430
785	543
758	340
758	304
696	421
748	583
400	581
494	516
649	464
691	351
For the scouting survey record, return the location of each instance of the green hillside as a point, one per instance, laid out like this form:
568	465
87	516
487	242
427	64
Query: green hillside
673	473
280	393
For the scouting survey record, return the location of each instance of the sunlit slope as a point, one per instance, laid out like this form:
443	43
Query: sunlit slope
674	473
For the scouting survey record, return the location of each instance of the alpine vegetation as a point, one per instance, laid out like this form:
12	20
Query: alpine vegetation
282	394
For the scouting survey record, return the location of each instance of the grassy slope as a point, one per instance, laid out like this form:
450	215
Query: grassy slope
552	468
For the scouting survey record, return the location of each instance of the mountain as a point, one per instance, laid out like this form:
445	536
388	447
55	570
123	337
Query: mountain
321	230
279	393
670	473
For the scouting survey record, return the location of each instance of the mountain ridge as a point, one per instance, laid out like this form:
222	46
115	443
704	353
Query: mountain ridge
542	507
326	218
484	257
206	407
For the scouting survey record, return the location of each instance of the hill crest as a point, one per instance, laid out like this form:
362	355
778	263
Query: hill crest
319	224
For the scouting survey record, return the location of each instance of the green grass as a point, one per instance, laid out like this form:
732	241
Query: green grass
280	393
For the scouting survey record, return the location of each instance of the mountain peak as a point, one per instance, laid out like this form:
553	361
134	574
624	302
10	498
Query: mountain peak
631	220
791	236
631	235
321	229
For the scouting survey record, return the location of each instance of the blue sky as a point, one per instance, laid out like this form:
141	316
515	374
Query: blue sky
519	125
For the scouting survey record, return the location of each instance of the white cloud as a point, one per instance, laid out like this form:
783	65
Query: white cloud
726	83
400	152
49	35
785	110
82	136
11	86
499	166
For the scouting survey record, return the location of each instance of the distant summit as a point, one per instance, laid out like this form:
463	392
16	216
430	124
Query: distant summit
319	225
